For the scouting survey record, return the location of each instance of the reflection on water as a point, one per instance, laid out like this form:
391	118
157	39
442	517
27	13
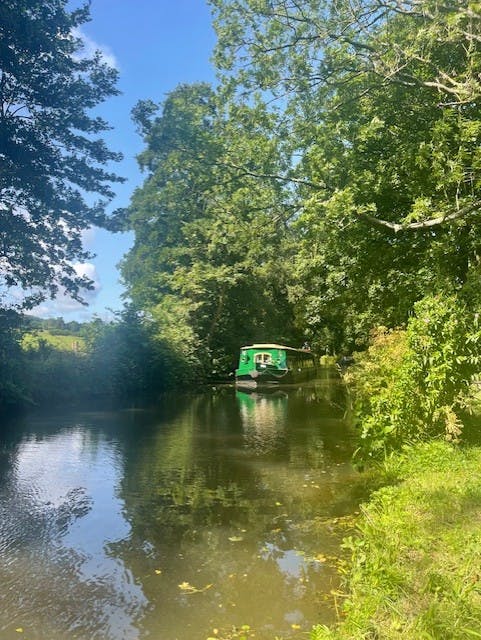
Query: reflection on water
213	512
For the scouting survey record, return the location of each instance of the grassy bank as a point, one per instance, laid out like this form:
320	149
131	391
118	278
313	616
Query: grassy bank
415	570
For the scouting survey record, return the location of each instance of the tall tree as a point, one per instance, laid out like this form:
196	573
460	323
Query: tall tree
206	262
382	99
51	154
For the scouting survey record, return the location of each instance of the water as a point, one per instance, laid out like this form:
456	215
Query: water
213	512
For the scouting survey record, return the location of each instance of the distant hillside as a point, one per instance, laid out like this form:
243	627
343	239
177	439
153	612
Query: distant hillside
55	326
65	342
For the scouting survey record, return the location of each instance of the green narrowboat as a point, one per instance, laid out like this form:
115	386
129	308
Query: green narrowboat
273	364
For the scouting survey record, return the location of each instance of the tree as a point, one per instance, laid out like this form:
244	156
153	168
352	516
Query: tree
322	56
123	360
207	264
51	154
13	387
382	102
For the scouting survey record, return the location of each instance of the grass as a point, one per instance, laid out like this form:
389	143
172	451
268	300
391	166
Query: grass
59	342
415	568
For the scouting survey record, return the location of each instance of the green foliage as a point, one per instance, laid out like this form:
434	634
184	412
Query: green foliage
411	385
123	360
208	263
38	368
54	326
13	389
382	109
53	375
342	191
127	360
51	153
170	325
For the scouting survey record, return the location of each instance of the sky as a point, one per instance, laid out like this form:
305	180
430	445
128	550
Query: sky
155	45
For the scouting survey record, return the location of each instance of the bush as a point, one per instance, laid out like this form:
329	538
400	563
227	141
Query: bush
51	374
13	389
410	384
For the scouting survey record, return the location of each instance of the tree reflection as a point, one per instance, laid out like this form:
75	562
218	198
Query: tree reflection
215	498
57	582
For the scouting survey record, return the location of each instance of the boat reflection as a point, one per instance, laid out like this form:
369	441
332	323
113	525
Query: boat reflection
263	417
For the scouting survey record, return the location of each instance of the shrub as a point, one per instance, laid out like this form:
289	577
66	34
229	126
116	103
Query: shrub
410	385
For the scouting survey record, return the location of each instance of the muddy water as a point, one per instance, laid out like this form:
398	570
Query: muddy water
212	513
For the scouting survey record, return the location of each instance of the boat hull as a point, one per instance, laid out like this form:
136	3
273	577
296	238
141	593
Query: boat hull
256	379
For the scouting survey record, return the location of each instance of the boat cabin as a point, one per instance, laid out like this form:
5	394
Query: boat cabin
274	363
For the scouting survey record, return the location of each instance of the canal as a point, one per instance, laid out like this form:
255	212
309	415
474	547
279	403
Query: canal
215	515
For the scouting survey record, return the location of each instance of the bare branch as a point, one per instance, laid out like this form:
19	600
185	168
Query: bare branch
422	224
272	176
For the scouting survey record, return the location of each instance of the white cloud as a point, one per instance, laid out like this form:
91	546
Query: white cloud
88	237
63	305
87	269
90	47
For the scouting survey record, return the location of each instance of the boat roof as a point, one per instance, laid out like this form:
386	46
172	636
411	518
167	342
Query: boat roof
272	346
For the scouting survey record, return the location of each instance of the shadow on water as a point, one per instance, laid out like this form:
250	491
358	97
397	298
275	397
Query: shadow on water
211	511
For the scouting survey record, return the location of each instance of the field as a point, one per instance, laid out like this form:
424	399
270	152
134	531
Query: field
60	342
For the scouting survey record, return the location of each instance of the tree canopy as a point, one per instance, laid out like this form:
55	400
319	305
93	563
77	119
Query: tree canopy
53	160
208	236
329	182
381	100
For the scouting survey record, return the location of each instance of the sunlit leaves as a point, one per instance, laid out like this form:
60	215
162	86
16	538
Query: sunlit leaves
381	101
412	385
209	223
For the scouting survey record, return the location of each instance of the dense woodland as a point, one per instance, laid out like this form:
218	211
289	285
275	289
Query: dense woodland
326	189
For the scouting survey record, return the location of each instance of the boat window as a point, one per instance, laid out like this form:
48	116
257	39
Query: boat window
263	358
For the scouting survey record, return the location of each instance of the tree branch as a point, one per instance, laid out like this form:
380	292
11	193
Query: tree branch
272	176
422	224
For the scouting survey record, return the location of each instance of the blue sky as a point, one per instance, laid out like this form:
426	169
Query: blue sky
155	45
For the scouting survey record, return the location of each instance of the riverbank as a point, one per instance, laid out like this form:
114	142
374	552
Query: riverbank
415	568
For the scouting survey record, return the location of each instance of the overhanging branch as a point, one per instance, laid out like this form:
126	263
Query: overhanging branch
271	176
422	224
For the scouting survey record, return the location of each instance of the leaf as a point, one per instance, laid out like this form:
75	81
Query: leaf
188	588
